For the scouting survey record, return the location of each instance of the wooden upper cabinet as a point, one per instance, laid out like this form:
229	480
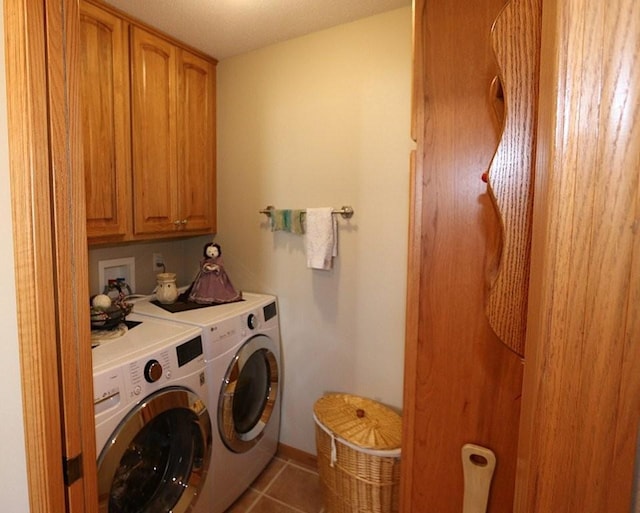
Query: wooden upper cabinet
153	122
173	127
148	109
196	142
104	68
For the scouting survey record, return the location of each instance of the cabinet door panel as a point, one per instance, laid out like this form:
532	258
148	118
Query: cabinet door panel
461	384
105	136
153	72
196	142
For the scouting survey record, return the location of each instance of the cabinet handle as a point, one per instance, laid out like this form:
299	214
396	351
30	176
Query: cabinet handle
177	222
511	175
184	221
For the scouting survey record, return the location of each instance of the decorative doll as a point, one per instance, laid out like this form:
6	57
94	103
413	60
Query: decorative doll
212	285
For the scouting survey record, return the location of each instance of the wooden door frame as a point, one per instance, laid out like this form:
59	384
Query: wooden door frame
581	390
50	251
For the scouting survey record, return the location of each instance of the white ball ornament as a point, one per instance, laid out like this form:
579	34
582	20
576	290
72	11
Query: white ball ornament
101	302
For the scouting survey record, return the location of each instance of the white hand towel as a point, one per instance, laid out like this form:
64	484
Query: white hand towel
321	238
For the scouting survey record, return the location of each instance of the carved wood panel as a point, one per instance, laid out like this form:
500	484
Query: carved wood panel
516	42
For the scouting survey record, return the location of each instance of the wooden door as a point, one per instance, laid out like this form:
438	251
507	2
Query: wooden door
154	125
104	69
462	384
47	198
196	143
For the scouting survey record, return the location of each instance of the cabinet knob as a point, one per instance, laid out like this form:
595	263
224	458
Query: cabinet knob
176	222
184	221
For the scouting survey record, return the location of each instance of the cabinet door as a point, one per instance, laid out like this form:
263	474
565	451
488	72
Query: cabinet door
196	143
104	68
153	77
462	384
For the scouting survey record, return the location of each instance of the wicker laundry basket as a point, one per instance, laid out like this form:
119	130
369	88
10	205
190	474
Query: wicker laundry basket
358	443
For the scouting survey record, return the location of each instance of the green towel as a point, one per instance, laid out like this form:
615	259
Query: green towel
281	220
296	222
287	221
286	218
277	220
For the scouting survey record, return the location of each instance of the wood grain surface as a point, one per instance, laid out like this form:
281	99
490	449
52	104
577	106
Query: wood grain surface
31	211
70	250
50	250
106	139
462	385
153	132
581	396
516	42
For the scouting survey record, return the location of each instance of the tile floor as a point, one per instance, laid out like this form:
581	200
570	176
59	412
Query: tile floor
285	486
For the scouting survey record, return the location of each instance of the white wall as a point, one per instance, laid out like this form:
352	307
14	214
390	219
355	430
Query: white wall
323	120
13	470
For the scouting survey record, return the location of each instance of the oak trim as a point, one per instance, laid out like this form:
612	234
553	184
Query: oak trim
411	330
414	267
299	456
581	393
34	266
70	249
50	250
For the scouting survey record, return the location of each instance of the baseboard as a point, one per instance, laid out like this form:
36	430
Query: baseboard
291	453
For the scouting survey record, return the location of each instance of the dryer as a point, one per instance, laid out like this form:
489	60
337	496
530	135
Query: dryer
153	428
242	348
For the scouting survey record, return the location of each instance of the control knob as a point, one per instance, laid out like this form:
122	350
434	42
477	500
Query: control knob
152	371
252	322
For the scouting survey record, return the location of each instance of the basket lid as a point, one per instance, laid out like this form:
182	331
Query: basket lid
360	421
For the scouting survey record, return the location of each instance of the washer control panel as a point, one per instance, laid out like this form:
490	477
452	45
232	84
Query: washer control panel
145	376
140	377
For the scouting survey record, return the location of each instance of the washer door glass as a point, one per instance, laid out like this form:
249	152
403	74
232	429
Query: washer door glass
248	395
158	457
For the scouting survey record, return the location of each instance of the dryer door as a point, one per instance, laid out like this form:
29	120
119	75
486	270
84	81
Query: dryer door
157	458
249	393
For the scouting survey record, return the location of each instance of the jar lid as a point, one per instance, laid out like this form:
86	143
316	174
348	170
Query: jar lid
360	421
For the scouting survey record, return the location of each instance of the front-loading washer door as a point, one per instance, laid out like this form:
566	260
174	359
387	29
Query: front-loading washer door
158	457
248	394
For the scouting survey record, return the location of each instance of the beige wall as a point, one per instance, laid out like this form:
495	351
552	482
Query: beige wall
180	256
323	120
13	470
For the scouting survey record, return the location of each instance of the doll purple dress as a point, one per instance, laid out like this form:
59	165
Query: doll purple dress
212	285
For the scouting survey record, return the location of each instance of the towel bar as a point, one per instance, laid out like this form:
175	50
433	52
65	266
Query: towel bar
346	212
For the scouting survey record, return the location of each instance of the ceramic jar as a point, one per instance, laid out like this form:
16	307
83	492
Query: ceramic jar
166	289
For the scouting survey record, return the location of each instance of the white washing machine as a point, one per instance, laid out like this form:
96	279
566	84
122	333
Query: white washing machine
153	427
242	348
